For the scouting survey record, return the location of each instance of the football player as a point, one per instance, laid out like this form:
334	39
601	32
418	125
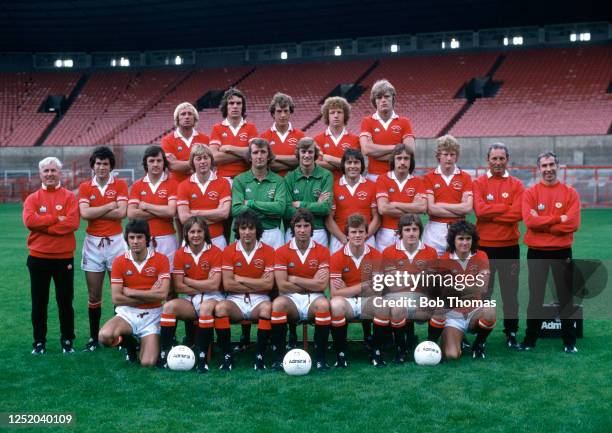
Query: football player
196	274
248	277
383	130
153	198
352	295
301	271
464	258
449	193
282	136
140	280
398	192
103	202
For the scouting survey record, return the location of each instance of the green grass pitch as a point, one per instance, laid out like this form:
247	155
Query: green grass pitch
542	391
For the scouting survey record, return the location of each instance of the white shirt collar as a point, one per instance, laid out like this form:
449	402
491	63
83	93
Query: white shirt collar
293	245
59	185
329	133
399	245
177	134
438	170
258	245
490	175
289	129
226	123
391	175
343	181
110	181
347	251
147	179
194	178
377	117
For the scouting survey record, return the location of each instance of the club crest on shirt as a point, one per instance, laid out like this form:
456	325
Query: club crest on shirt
420	264
258	263
271	193
42	209
345	145
162	193
213	195
489	197
541	206
505	195
316	192
150	271
58	207
205	265
292	141
243	136
457	185
396	129
473	269
362	195
410	192
314	264
558	205
110	193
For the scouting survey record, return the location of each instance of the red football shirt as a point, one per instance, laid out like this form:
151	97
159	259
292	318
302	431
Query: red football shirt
388	133
397	258
283	144
205	197
95	195
288	258
387	185
222	133
128	273
179	146
359	199
476	264
253	265
333	146
198	267
354	270
160	194
450	190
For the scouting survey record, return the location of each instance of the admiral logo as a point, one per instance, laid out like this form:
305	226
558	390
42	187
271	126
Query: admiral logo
272	143
401	263
296	191
271	193
92	197
396	129
341	197
410	192
326	145
162	193
541	206
143	193
346	269
243	136
362	195
128	273
258	263
437	185
111	193
58	207
391	189
213	195
558	205
187	266
376	130
457	185
247	189
238	264
194	196
291	265
224	135
180	148
551	326
489	197
505	194
150	271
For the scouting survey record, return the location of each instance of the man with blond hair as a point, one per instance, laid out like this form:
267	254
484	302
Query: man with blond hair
381	131
177	144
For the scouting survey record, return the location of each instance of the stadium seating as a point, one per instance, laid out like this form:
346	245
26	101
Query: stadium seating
558	91
21	95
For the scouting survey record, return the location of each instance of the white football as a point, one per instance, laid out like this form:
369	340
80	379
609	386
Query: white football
427	353
297	362
181	358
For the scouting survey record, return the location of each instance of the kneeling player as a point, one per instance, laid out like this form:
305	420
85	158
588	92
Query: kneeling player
248	277
351	271
301	271
197	274
409	255
465	313
140	281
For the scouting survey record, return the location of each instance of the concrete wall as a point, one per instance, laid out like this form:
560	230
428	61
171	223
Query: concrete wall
587	150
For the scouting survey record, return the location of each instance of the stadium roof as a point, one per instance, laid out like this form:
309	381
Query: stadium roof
127	25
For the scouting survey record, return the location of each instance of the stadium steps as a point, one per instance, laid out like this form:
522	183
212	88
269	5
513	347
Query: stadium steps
458	115
351	94
498	62
71	98
244	77
143	111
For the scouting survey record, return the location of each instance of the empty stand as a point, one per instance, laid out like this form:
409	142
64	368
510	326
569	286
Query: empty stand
546	92
21	94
